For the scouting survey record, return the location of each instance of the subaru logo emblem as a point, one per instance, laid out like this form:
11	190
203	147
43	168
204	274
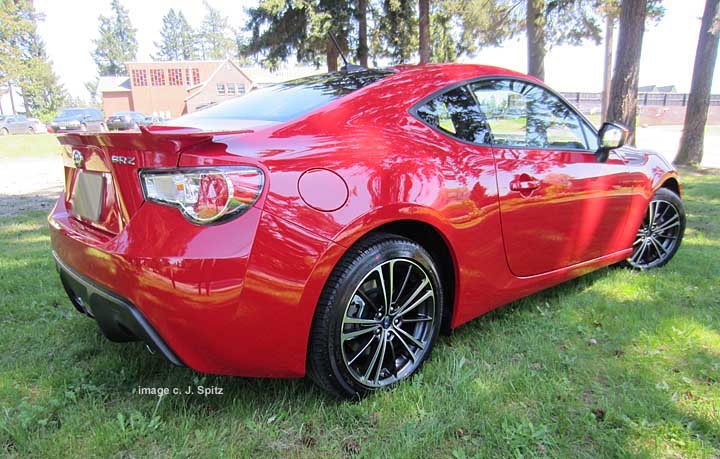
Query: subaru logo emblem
77	159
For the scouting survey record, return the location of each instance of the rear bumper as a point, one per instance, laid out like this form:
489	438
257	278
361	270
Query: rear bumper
120	125
233	299
117	317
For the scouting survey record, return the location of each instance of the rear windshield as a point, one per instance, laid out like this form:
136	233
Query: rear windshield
71	112
285	101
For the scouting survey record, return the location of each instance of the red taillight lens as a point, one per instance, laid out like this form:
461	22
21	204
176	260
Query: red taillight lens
204	195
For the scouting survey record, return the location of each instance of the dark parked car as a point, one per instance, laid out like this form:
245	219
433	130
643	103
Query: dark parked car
19	124
122	121
79	119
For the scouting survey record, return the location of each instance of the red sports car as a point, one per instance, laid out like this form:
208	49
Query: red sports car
334	225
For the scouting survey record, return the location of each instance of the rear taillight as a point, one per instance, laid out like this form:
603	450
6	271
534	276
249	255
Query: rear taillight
204	195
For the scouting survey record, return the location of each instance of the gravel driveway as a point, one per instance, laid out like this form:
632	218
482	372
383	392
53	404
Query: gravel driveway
29	184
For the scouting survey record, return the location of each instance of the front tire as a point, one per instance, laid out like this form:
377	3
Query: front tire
661	232
377	319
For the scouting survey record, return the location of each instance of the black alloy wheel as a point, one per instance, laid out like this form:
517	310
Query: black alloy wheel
660	233
378	317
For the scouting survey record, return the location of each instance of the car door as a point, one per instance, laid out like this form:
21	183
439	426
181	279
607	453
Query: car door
559	205
17	124
12	124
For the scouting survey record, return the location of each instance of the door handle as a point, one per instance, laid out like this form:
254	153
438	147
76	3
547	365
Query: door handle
525	185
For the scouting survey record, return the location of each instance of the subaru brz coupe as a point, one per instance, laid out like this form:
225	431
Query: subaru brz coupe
335	224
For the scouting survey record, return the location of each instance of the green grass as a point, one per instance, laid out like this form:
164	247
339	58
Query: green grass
28	146
614	364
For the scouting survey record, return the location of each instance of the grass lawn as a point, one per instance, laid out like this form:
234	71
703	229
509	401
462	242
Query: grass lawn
614	364
28	146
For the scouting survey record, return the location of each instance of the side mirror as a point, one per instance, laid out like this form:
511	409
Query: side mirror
610	136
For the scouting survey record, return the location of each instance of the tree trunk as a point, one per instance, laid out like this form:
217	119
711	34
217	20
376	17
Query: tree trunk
624	88
607	77
424	30
12	98
535	23
332	56
693	136
362	32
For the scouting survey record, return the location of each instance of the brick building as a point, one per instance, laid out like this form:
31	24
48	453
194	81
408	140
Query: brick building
173	88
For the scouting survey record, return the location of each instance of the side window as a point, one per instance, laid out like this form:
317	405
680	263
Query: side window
505	108
524	115
591	137
456	113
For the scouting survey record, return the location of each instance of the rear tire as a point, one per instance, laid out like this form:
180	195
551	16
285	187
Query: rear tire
660	234
4	131
377	319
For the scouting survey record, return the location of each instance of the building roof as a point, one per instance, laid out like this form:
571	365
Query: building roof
114	84
209	79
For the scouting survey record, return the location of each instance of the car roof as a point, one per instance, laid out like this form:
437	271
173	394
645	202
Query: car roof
410	84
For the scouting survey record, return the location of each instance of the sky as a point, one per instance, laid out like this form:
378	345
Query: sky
667	57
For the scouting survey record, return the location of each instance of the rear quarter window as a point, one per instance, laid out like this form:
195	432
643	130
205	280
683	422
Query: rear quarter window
285	101
456	113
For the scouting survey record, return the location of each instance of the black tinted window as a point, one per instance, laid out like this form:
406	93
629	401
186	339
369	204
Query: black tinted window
285	101
456	113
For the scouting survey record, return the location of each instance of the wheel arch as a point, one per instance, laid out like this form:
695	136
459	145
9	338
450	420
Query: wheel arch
422	226
435	242
672	184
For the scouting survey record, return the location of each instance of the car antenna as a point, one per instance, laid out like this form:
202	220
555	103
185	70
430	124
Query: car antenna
348	67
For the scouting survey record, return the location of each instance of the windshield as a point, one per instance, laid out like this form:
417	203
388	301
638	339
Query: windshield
70	112
285	101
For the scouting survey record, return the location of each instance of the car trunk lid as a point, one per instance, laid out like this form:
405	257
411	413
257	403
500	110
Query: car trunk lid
102	186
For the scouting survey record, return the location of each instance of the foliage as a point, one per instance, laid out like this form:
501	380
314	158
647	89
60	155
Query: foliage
281	28
24	61
214	37
92	89
117	43
462	28
395	34
176	38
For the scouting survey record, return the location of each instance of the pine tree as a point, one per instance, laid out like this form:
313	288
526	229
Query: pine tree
117	43
169	46
24	61
624	88
42	93
692	140
396	31
361	14
186	38
281	28
214	35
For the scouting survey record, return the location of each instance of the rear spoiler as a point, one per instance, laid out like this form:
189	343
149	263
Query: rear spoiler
168	139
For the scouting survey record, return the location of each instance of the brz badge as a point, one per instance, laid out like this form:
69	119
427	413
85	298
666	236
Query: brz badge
127	160
78	159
